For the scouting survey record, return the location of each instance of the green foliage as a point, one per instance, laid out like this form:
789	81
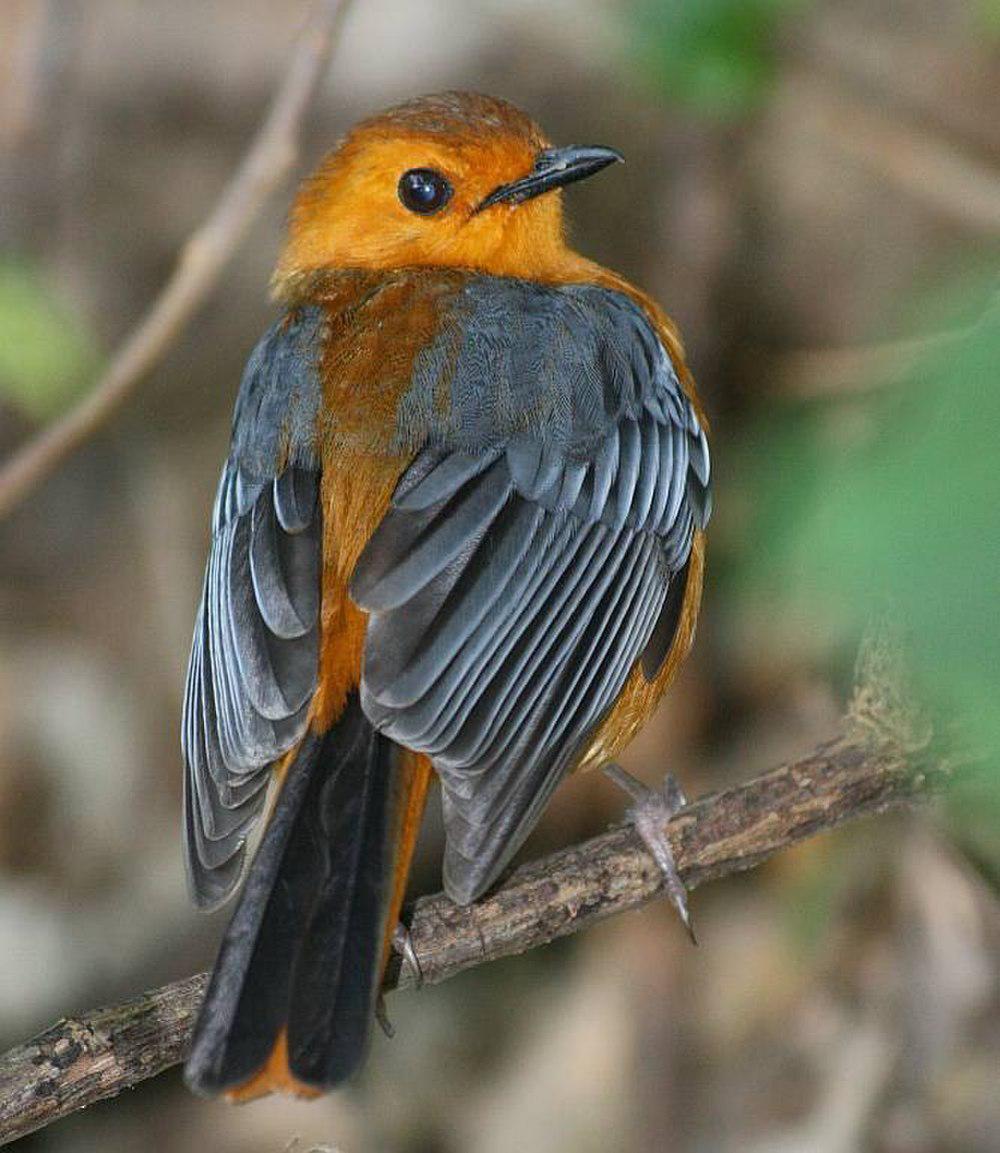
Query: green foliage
899	502
716	55
988	16
46	354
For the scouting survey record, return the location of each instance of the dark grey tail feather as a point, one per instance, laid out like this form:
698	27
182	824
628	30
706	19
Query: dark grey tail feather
304	947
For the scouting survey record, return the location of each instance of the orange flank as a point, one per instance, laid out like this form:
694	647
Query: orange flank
639	696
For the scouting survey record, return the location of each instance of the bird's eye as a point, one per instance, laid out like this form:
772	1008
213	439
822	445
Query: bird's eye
423	190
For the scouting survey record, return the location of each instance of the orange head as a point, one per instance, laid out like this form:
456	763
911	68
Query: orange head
459	179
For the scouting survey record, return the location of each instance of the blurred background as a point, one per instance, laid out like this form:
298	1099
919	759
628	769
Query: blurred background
813	192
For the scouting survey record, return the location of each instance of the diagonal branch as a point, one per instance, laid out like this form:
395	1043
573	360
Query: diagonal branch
875	763
198	268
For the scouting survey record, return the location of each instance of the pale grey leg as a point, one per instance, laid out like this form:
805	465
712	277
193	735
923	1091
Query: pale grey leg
653	808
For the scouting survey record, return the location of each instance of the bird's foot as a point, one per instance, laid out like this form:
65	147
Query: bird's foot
653	808
402	943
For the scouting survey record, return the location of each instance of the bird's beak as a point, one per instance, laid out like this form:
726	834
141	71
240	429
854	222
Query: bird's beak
553	168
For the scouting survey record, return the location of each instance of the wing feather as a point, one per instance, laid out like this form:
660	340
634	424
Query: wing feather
253	660
530	556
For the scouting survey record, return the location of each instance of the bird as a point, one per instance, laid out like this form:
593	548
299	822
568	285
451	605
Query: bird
459	534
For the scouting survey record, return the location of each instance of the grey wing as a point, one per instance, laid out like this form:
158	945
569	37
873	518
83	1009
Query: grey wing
252	670
511	591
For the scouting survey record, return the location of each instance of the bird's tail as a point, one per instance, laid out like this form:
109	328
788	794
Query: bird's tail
292	999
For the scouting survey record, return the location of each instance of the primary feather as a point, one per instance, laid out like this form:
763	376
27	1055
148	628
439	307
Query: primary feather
252	670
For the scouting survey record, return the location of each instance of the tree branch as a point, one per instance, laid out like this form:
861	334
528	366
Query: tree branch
932	169
822	373
198	268
817	374
879	760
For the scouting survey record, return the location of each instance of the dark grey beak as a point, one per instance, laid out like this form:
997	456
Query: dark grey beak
554	168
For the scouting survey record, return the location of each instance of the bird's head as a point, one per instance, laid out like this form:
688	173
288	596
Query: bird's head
460	180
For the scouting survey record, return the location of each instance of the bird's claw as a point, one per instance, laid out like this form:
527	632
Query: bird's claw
402	943
652	809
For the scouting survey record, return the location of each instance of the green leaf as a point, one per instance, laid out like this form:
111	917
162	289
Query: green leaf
715	55
988	15
46	353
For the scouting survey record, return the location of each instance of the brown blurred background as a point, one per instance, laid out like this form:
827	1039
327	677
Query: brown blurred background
804	182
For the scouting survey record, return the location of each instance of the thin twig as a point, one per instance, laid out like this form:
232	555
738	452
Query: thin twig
928	168
879	760
199	266
820	373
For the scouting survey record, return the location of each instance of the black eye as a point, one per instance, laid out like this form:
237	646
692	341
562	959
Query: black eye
423	190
